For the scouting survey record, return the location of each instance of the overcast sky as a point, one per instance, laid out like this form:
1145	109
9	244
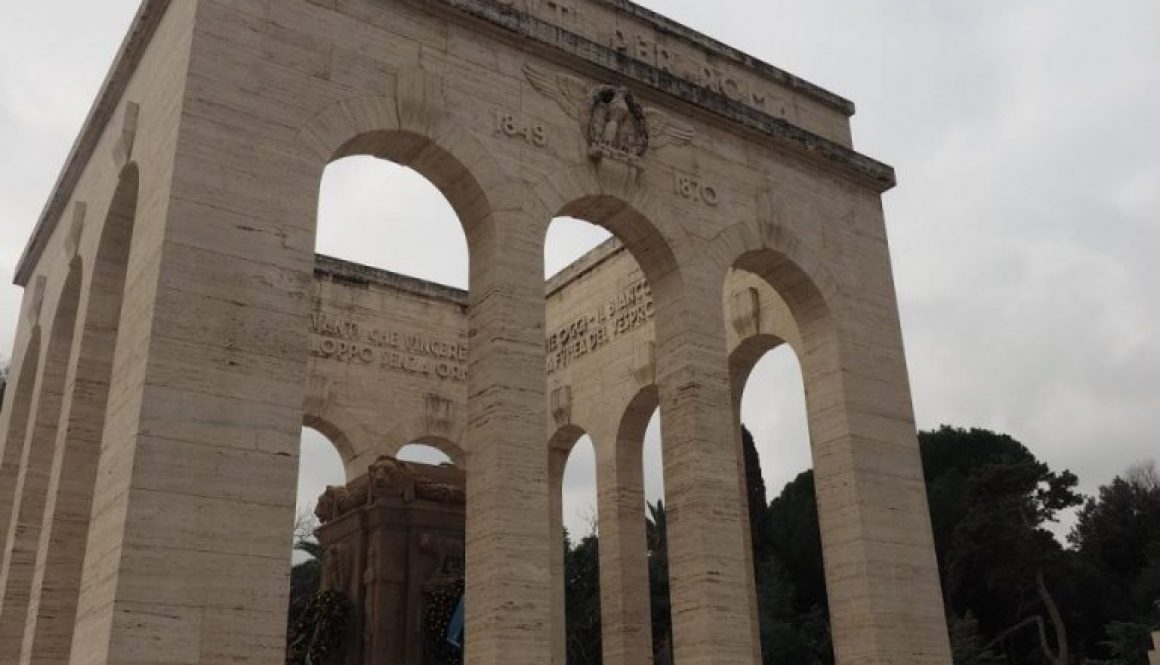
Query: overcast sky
1025	228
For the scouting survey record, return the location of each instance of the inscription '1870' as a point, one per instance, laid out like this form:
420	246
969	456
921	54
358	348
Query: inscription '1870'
346	341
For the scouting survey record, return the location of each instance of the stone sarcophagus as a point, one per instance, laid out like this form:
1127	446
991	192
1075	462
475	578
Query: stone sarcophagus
393	544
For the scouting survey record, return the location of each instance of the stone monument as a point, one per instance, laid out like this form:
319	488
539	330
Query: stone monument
393	545
177	329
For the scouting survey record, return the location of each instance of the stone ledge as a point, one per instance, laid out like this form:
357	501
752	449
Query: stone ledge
350	272
691	36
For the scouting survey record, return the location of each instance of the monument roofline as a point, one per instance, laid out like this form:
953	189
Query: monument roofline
352	272
548	38
738	57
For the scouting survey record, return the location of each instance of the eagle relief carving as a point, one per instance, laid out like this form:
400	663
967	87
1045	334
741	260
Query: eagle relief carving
614	124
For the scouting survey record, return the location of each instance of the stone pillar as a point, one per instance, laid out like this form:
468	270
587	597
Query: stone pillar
625	611
712	620
188	549
509	602
56	579
557	461
1155	655
22	541
14	426
743	490
881	571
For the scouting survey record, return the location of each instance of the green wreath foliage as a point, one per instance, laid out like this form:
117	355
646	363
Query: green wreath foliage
439	605
317	636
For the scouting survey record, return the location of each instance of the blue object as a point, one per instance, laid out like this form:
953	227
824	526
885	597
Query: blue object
455	628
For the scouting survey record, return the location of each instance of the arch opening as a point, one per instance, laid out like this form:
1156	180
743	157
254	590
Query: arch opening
394	219
320	465
33	496
431	451
75	465
776	312
573	487
18	403
379	213
601	310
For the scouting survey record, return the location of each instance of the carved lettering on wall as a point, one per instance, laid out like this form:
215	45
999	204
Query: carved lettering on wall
509	125
345	341
618	316
692	188
646	49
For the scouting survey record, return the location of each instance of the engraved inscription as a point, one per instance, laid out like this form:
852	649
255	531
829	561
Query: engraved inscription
345	341
616	317
693	189
642	47
507	124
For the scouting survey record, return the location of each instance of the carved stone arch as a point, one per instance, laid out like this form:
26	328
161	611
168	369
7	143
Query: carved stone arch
94	239
752	237
447	440
623	208
412	129
744	357
565	439
340	435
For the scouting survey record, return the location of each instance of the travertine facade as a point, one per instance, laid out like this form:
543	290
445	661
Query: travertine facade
173	337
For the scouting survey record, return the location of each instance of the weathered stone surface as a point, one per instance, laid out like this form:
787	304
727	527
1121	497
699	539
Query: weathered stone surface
149	459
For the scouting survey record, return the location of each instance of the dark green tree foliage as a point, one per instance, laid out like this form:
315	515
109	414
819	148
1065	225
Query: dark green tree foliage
787	548
657	534
582	601
758	500
305	579
1117	545
991	500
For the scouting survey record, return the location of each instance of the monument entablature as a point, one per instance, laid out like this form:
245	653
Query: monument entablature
178	329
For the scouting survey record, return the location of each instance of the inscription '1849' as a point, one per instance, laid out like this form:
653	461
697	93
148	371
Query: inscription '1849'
346	341
618	316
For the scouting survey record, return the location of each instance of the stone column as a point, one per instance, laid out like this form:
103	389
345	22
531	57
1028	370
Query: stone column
881	571
1155	655
712	620
509	602
22	542
188	550
625	611
56	579
743	490
14	426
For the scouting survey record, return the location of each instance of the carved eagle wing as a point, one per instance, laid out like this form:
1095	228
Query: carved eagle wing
664	131
567	91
